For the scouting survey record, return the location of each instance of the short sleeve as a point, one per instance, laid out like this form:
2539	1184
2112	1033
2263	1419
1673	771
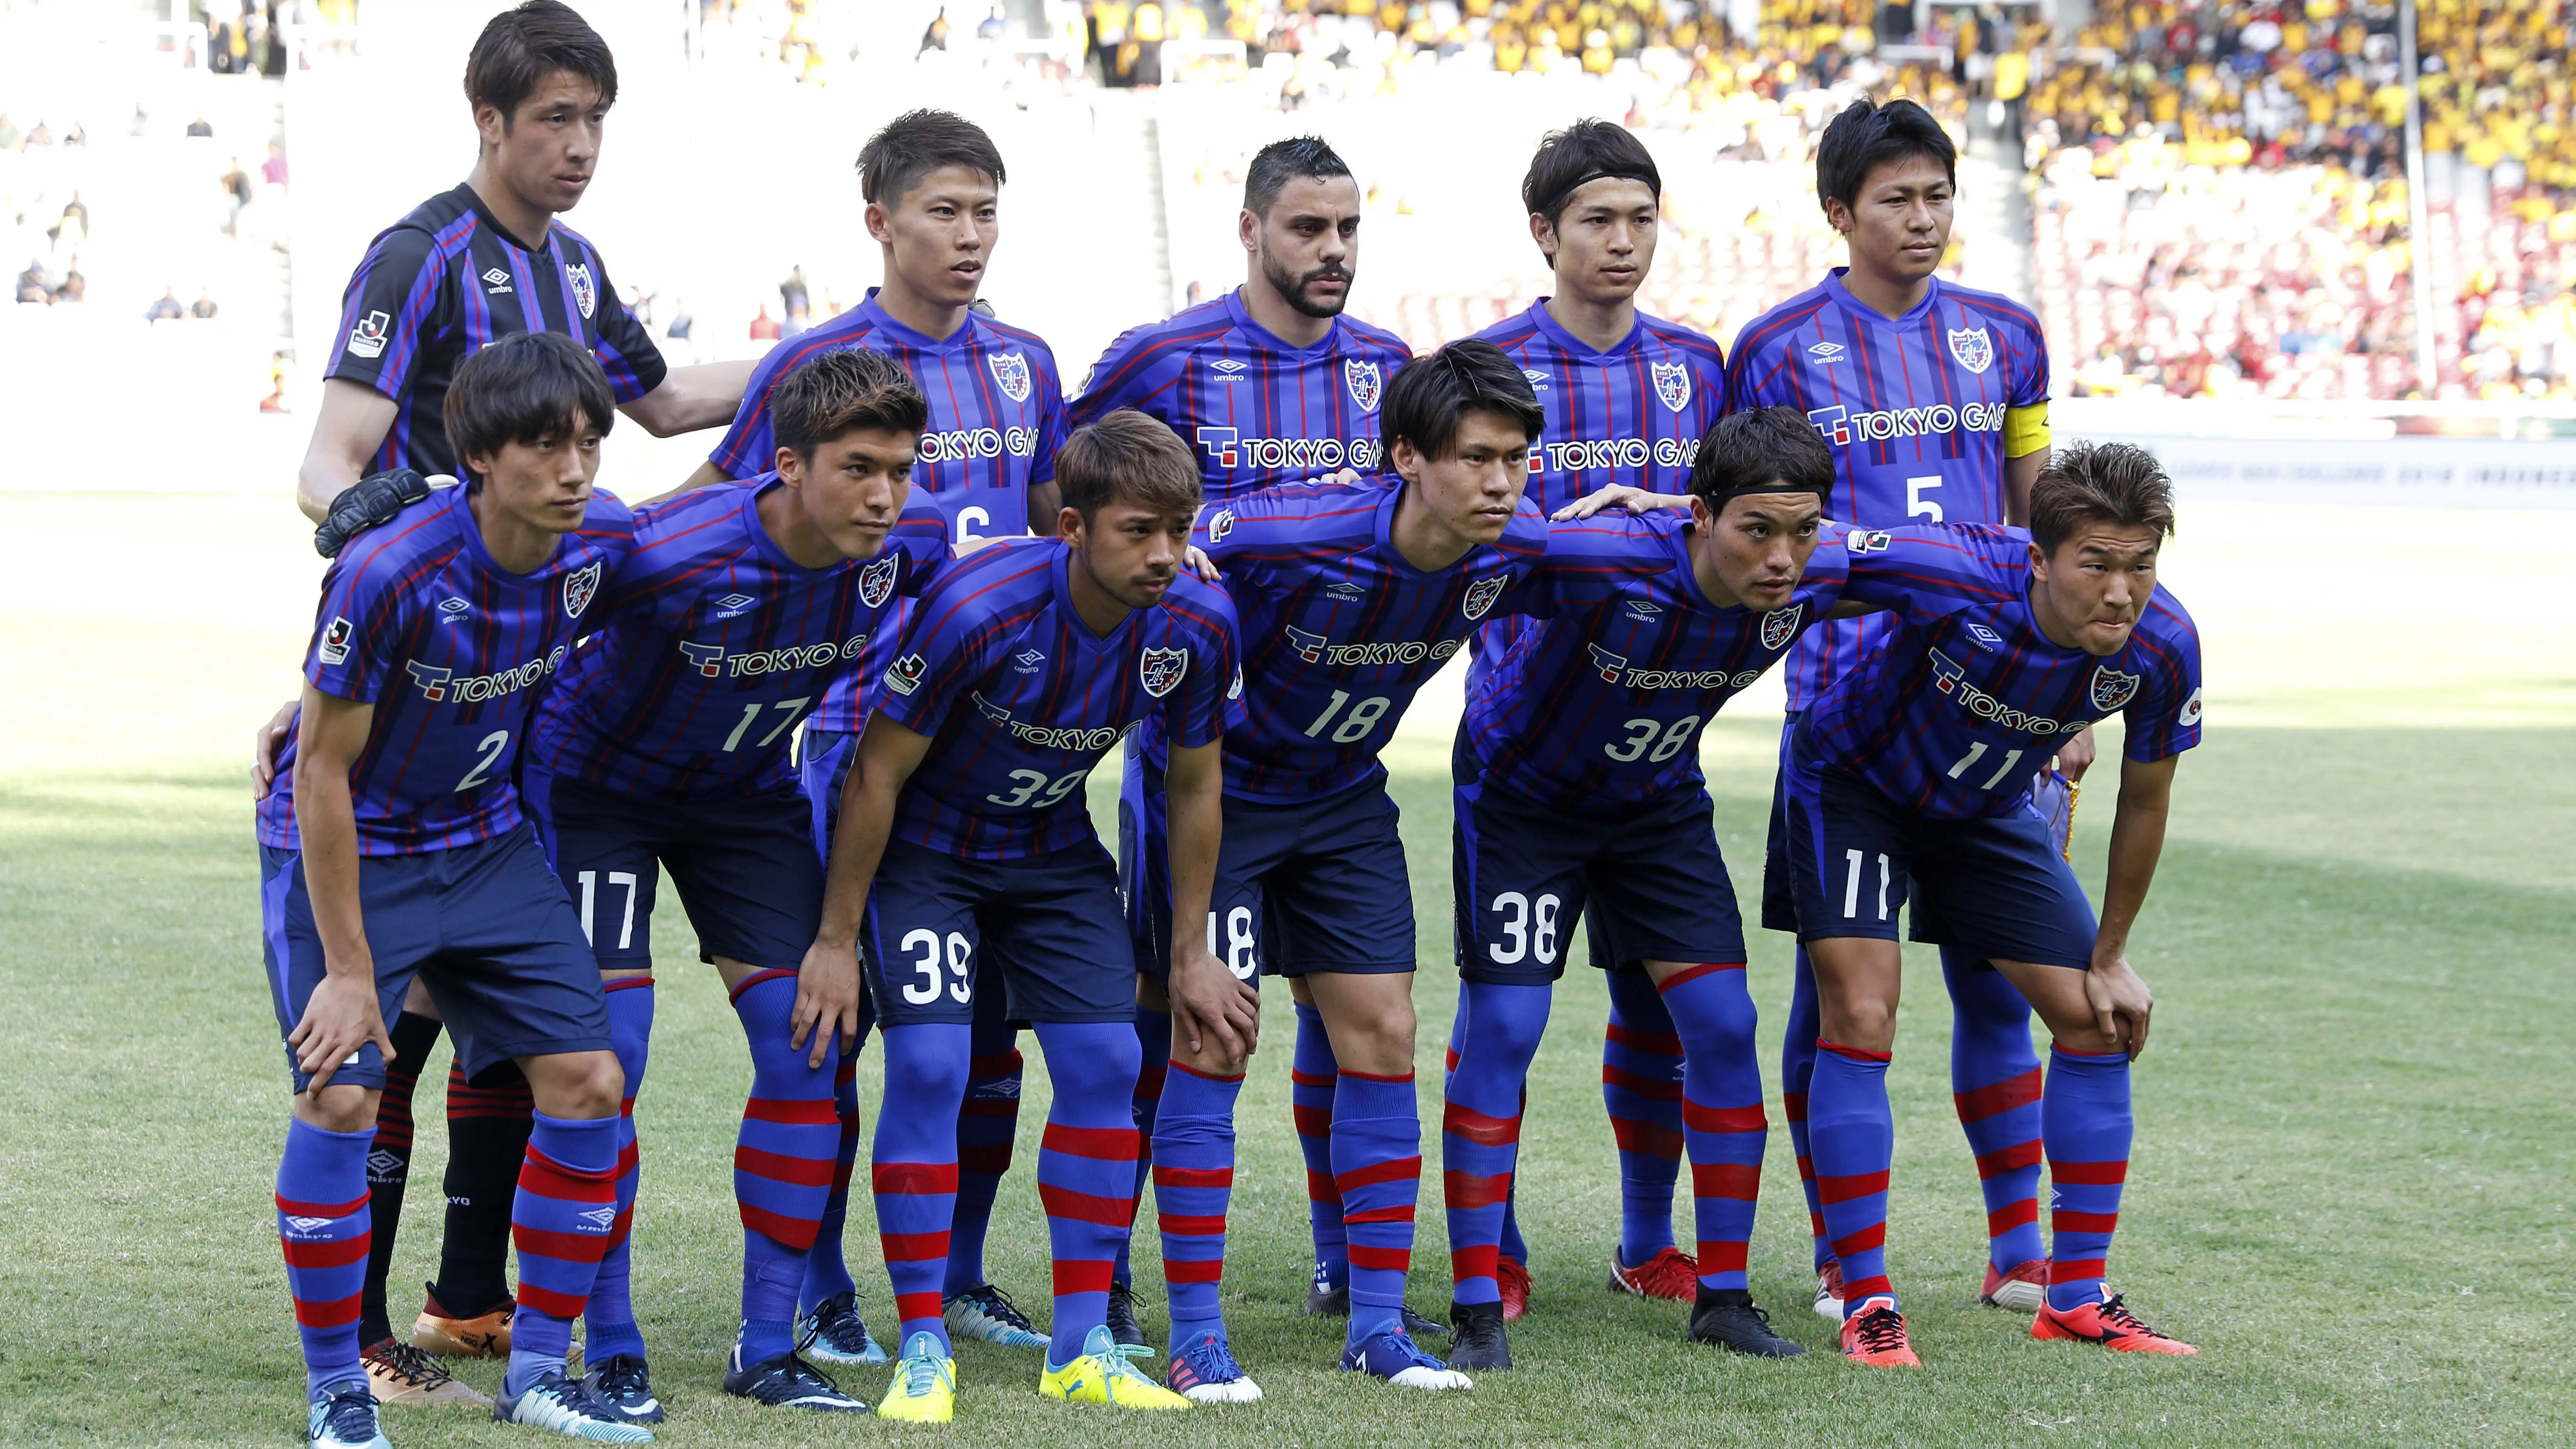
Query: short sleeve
1196	713
388	311
358	630
2164	718
2030	379
626	352
1898	568
1114	382
1054	427
750	447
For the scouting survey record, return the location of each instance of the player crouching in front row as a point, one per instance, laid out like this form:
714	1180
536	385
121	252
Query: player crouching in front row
965	842
397	846
1912	777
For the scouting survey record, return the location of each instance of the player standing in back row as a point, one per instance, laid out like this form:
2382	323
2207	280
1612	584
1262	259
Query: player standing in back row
932	181
486	260
1267	384
1934	399
1628	398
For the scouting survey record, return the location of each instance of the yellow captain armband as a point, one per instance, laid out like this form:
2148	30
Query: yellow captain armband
2025	430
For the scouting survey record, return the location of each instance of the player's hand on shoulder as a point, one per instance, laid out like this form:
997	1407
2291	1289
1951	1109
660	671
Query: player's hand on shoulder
2121	1001
1197	562
265	747
366	503
1618	495
827	1000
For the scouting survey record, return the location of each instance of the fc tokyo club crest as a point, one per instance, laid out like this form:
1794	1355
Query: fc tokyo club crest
876	581
1974	347
1672	384
1362	379
585	292
1162	670
1481	595
579	585
1781	625
2111	688
1010	374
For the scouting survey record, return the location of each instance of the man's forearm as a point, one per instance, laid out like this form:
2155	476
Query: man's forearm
2137	842
326	825
1046	505
858	845
1195	819
706	395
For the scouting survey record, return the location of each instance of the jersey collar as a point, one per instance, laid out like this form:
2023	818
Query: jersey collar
474	201
881	320
1842	296
1575	347
1271	341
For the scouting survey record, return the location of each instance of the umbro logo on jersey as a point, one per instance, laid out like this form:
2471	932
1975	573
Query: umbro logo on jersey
1644	609
1537	379
1985	636
1362	379
1345	590
732	604
1010	374
367	339
1826	352
334	648
496	281
1227	369
905	675
2111	688
1974	347
453	608
1028	660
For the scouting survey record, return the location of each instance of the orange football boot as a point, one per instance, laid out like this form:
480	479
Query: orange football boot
2108	1323
1874	1334
485	1335
2023	1290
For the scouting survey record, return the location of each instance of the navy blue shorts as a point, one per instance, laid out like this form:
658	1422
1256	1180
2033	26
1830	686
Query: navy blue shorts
1316	886
1050	923
1651	881
746	870
485	927
1997	887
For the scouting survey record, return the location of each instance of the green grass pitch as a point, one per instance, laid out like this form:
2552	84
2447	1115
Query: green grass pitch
2352	1183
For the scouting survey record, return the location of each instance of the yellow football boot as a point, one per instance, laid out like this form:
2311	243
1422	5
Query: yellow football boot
1100	1374
924	1390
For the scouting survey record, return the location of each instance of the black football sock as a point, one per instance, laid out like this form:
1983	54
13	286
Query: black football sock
389	1166
487	1139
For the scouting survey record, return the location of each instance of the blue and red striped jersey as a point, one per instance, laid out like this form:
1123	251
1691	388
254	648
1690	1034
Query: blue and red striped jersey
1950	716
1623	660
452	650
1020	698
1339	632
1912	407
997	415
1632	415
1255	410
710	645
446	280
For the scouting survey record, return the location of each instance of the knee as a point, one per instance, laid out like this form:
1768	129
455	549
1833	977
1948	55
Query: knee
339	1108
577	1085
1504	1023
1866	1023
1094	1063
1383	1046
927	1063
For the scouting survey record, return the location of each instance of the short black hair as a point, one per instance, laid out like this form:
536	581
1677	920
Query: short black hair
2118	483
1867	135
519	48
1588	150
521	389
916	143
1761	450
1280	162
1430	395
846	388
1127	455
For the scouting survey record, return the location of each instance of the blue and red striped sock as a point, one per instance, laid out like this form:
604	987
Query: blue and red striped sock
1154	1055
782	1161
1995	1084
608	1322
1721	1112
1313	1083
1797	1076
1641	1084
1508	1242
1855	1142
1086	1170
913	1167
1492	1043
322	1225
988	1126
2086	1121
1377	1170
1193	1182
827	1269
560	1223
